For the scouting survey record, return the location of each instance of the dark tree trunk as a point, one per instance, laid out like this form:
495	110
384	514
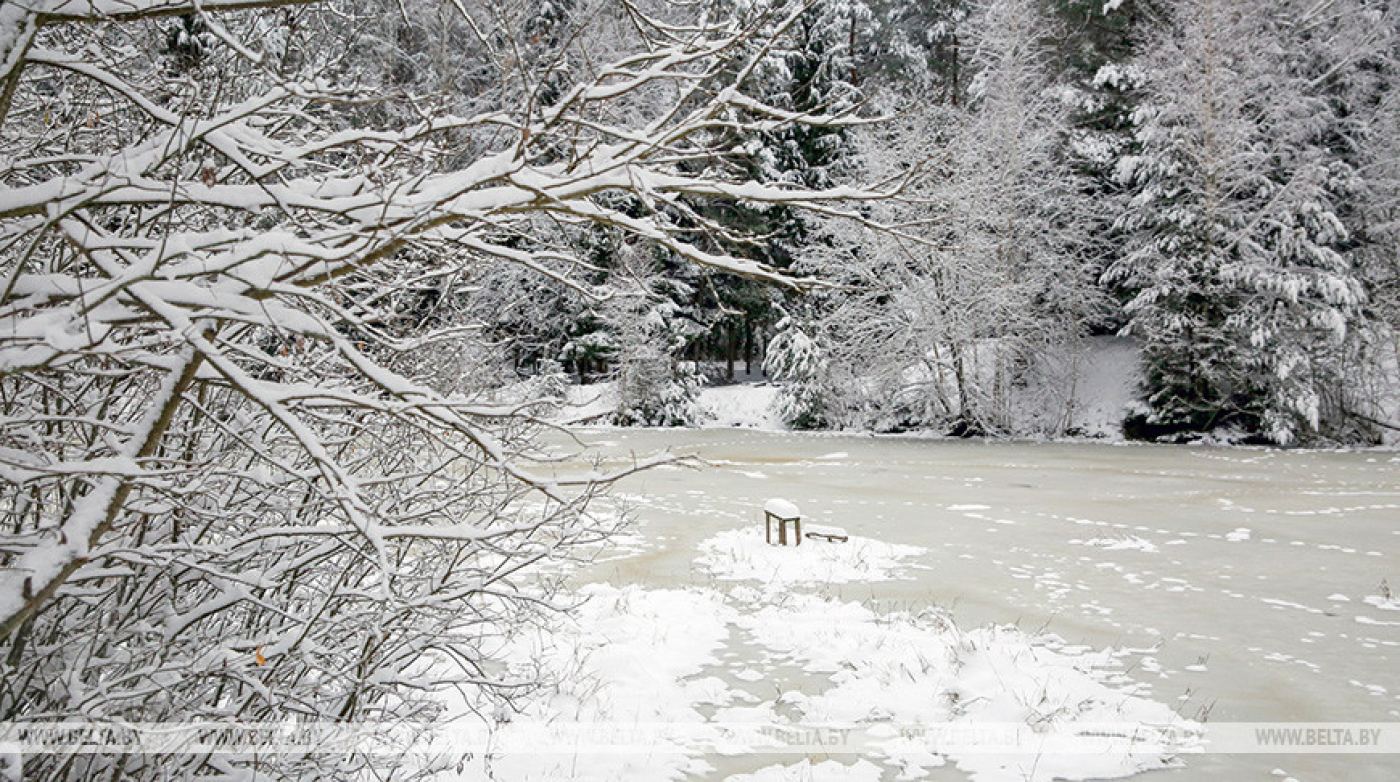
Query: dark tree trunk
748	347
729	349
953	73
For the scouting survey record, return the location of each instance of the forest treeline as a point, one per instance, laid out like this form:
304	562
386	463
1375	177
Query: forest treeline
1214	178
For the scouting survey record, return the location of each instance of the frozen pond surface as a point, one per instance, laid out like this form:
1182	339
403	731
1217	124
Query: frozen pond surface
1243	576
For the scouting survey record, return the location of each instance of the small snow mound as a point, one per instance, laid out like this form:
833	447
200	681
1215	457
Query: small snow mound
743	554
1129	543
1385	604
910	687
932	686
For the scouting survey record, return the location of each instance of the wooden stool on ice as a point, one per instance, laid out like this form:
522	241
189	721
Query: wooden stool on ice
782	513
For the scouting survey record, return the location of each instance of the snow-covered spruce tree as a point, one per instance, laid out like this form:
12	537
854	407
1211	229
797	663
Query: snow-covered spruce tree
916	51
227	496
1382	205
813	68
1094	54
647	330
1370	39
1381	148
654	387
1236	248
796	360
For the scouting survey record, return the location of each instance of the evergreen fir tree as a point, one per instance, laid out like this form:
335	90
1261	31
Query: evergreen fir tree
1242	291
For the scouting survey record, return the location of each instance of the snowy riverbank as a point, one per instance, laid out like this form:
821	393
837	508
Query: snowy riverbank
1093	406
1103	396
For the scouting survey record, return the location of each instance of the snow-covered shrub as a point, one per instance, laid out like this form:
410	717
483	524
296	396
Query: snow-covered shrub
648	329
656	390
539	394
943	333
797	361
550	380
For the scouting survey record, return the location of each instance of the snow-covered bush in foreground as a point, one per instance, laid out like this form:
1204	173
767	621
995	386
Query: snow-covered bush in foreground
227	494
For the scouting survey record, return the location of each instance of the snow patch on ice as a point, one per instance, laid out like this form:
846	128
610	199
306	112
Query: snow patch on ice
1130	543
807	771
1383	603
744	554
918	669
625	655
631	657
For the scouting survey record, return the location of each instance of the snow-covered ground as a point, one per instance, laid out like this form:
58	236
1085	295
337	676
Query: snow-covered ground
746	405
1108	380
741	406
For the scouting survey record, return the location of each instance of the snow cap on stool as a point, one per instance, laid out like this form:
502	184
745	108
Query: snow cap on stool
781	508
